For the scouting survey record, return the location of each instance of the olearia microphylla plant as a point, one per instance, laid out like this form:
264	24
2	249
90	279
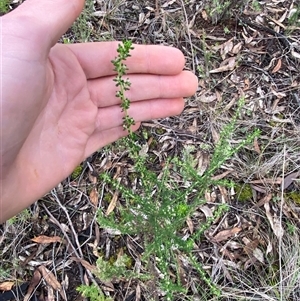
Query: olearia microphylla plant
124	84
158	208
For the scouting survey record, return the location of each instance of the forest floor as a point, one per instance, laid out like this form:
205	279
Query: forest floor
247	50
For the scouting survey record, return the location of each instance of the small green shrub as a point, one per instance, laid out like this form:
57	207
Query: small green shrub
159	207
5	273
82	28
22	217
4	6
294	18
256	6
118	268
93	293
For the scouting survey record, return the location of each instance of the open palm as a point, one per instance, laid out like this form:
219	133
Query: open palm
59	104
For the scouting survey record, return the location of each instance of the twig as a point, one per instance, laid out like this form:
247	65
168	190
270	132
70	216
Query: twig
57	223
70	223
280	221
189	34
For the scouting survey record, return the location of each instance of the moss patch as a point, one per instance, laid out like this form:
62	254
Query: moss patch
293	196
243	192
77	172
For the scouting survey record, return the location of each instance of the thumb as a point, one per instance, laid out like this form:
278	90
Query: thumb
48	20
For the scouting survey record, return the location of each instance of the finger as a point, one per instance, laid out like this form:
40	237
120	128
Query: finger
95	59
100	139
111	117
46	21
103	90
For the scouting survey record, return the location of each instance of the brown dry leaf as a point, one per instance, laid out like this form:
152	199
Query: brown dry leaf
51	280
6	286
204	15
2	238
208	97
219	96
190	224
99	14
264	200
256	146
208	197
232	102
248	40
223	190
250	246
237	48
168	3
295	54
288	180
193	128
231	255
85	264
112	204
225	234
267	181
259	255
269	247
144	150
229	61
94	247
258	188
203	162
279	95
277	67
226	48
279	120
43	239
228	65
118	172
138	293
92	178
202	84
215	134
279	22
207	211
274	222
33	284
94	197
50	294
221	176
247	84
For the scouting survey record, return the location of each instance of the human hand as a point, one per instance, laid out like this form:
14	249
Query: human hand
58	101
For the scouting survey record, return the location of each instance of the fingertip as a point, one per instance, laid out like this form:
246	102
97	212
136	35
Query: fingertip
171	107
193	84
178	56
176	107
156	59
174	58
180	108
136	126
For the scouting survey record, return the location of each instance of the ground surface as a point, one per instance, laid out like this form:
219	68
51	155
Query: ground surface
239	49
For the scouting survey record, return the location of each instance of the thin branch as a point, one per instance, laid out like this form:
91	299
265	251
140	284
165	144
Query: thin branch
280	221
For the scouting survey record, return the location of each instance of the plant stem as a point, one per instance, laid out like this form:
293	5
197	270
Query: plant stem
124	84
